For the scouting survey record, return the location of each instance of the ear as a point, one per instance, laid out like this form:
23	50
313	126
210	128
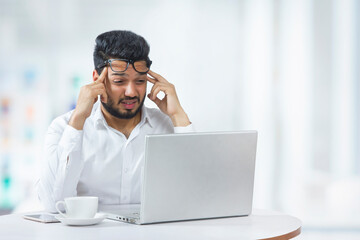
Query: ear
95	75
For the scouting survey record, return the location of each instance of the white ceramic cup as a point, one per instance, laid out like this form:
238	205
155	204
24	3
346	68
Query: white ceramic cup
79	207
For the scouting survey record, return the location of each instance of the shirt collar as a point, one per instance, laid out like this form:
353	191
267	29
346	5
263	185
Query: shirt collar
99	119
145	116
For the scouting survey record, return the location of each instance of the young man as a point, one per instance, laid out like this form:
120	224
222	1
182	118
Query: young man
97	149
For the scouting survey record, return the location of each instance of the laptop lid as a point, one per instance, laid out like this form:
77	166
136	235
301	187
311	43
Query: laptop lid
197	176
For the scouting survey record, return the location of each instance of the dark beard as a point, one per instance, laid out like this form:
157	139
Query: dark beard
109	106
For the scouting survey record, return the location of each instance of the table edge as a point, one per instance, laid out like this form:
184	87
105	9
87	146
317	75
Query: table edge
286	236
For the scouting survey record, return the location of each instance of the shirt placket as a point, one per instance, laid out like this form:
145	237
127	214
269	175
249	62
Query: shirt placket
126	174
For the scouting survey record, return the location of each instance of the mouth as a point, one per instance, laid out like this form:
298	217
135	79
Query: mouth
129	104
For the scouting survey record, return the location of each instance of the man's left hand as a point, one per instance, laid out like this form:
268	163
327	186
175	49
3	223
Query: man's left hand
170	104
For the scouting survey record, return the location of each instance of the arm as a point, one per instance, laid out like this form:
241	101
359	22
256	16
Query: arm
170	104
62	165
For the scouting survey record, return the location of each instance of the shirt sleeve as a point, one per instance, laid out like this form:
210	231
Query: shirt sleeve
188	129
62	164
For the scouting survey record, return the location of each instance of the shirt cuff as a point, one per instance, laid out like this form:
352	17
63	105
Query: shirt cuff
71	139
187	129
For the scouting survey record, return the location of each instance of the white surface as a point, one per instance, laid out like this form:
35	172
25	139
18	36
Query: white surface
81	222
261	224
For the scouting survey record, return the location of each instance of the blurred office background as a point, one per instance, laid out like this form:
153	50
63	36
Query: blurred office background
287	68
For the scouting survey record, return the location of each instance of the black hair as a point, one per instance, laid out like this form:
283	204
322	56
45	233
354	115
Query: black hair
120	44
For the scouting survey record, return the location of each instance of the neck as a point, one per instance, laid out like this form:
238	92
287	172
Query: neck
123	125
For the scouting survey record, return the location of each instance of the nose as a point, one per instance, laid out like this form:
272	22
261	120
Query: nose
130	90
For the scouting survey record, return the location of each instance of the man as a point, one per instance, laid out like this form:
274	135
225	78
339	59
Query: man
98	148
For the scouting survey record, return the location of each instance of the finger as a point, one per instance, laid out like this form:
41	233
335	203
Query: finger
97	85
98	91
152	80
155	93
156	85
157	76
101	78
157	101
156	90
151	92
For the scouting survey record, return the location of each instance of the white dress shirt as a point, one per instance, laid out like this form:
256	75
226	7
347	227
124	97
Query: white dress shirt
101	160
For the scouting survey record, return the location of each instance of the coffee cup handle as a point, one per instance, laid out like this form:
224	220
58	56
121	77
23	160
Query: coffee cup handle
57	208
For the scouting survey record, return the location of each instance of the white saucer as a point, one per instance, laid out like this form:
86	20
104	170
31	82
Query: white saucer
99	217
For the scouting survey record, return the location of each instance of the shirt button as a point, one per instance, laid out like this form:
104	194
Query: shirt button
125	170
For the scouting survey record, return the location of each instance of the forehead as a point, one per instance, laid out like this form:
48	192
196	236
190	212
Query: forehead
130	72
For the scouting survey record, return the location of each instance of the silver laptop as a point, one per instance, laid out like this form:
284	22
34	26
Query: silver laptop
193	176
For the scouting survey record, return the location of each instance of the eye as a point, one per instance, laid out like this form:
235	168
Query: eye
140	82
118	81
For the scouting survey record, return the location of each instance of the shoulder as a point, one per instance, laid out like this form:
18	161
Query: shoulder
156	114
157	117
60	122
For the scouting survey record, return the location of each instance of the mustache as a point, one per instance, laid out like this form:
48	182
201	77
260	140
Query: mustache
128	98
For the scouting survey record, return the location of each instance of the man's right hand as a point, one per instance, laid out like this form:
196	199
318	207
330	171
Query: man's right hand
87	97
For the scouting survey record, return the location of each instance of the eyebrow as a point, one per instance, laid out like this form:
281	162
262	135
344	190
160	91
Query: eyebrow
125	74
120	74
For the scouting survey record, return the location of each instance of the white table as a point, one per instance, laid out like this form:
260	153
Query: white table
262	224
